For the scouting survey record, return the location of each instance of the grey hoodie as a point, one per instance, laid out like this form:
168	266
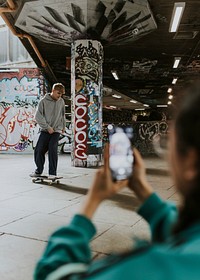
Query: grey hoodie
51	113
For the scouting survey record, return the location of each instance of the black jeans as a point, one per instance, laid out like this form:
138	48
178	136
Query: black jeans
47	142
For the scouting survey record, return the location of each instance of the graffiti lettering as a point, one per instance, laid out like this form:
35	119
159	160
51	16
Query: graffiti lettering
19	99
15	124
80	97
80	137
79	152
94	133
23	88
14	88
86	102
150	130
146	133
80	111
80	126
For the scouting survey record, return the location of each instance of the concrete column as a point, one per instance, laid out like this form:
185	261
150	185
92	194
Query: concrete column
87	92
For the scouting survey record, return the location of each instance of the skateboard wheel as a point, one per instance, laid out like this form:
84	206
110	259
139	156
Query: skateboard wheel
58	182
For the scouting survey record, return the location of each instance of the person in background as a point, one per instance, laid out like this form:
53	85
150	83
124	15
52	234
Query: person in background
174	252
50	116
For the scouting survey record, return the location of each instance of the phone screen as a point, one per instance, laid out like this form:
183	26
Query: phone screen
121	154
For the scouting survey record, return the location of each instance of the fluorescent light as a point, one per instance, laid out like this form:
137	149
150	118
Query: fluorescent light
139	109
174	81
176	16
161	105
116	96
114	73
176	62
170	96
145	105
133	101
169	90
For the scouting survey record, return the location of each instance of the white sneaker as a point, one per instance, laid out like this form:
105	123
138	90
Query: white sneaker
35	175
51	177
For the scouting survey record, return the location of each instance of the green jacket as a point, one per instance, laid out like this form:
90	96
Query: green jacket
167	258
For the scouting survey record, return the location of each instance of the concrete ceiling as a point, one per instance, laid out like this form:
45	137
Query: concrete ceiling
136	40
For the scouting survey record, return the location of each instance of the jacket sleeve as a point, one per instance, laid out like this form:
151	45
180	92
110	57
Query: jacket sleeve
66	245
160	215
40	116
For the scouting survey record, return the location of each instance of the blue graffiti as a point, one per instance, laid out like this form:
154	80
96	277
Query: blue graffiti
94	133
94	136
90	88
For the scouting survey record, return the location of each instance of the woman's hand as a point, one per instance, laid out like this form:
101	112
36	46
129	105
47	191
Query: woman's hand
102	188
138	181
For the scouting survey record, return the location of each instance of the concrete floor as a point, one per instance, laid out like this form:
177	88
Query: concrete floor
30	212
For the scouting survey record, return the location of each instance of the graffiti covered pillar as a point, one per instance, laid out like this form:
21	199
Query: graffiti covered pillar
87	89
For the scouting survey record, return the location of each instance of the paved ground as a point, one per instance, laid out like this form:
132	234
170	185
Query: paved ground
30	212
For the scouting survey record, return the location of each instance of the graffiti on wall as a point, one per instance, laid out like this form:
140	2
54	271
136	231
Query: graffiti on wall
145	135
19	97
65	143
15	126
86	103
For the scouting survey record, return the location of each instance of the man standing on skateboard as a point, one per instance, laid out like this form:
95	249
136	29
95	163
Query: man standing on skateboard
50	115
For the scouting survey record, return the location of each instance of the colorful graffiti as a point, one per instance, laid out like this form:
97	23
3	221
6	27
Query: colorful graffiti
94	128
87	58
19	96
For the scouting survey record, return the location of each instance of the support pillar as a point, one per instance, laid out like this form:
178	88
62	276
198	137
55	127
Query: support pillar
86	110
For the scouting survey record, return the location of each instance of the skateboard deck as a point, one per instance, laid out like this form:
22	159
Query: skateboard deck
41	179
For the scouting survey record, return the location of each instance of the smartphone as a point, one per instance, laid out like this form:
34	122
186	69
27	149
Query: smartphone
120	151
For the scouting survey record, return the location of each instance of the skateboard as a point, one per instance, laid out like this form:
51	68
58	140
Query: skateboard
41	179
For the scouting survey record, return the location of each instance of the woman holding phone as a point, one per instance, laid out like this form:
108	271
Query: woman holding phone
175	249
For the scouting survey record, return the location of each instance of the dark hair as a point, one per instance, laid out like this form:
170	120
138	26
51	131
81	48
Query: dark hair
187	131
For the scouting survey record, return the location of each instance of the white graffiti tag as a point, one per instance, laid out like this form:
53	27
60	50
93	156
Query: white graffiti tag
15	124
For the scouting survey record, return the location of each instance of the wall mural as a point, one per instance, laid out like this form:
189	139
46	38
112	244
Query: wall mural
146	135
61	21
19	96
87	59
